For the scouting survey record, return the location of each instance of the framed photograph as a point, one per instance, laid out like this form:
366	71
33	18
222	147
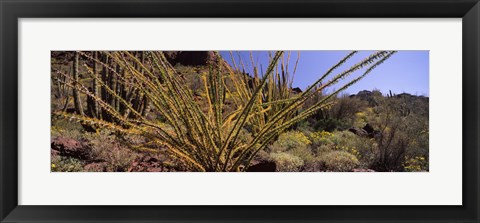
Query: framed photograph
239	111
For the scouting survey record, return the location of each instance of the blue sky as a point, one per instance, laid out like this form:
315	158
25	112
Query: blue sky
406	71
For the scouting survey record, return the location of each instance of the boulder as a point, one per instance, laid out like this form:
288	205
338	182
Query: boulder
190	58
405	95
372	133
358	131
296	90
366	131
368	128
70	147
263	166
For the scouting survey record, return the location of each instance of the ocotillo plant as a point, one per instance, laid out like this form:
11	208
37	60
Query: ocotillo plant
273	96
91	103
62	90
209	140
76	95
114	81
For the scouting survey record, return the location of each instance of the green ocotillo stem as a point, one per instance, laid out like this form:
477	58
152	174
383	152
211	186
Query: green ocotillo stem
124	92
113	86
117	89
104	80
145	99
95	84
76	93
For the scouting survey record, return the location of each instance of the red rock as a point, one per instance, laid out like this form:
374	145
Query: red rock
71	148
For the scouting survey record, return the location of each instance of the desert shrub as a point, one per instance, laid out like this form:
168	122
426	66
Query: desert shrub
330	124
321	142
322	149
66	164
363	148
339	161
402	121
67	129
286	162
391	151
346	107
339	116
416	164
290	140
366	116
305	153
418	134
321	138
295	144
344	138
107	147
304	126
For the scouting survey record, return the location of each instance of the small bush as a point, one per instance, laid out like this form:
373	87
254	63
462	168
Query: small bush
305	153
416	164
106	147
339	161
330	124
321	141
67	129
363	148
321	137
322	149
290	140
66	164
286	162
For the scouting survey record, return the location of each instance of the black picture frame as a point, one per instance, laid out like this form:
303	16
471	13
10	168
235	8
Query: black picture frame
11	11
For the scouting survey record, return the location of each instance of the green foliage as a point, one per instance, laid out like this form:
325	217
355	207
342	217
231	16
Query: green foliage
287	162
107	148
66	164
363	148
329	124
403	125
321	138
294	143
66	128
339	116
416	164
339	161
289	141
305	153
